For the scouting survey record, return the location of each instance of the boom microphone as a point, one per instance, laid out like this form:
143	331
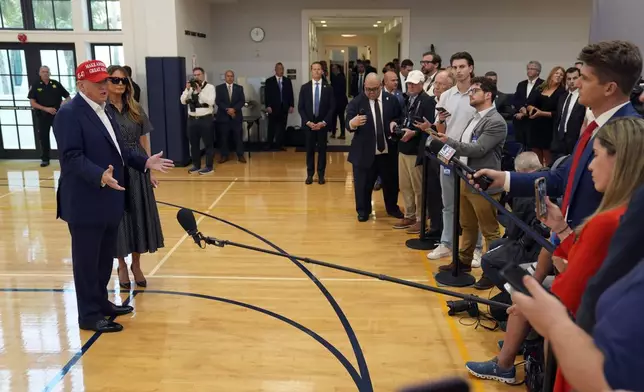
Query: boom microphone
446	154
187	220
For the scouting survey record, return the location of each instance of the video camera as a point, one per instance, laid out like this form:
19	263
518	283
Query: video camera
193	100
398	131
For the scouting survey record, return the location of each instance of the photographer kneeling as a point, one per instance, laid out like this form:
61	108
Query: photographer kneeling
419	106
199	95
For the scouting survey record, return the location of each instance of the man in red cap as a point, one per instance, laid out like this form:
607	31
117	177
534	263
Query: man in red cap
90	197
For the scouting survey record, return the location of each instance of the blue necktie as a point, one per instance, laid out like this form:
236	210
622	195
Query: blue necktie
279	83
316	101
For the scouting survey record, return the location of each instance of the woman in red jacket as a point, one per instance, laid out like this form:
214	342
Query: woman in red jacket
617	170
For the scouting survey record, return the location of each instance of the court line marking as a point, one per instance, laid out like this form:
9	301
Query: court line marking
183	238
215	277
456	334
25	187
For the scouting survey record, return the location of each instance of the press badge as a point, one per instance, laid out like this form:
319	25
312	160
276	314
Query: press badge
446	171
474	138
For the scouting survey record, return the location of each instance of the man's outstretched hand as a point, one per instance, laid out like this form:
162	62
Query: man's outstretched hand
108	179
497	177
155	162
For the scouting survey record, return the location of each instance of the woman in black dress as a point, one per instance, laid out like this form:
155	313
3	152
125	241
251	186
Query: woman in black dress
542	109
140	228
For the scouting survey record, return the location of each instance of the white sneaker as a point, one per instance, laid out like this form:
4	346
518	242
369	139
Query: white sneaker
440	252
476	259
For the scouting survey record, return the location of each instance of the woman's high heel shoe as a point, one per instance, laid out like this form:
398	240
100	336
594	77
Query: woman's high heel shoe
124	285
141	283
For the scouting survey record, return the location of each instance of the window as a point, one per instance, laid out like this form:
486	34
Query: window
36	14
104	14
110	54
52	14
11	15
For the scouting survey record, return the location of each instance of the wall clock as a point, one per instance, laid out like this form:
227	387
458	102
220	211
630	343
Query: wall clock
257	34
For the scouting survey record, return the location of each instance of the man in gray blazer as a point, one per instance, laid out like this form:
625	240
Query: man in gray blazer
480	146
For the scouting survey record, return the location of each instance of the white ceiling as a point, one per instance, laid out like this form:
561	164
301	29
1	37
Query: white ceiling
365	22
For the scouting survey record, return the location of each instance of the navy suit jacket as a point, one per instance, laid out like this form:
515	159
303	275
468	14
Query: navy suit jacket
326	109
86	150
363	146
273	99
223	102
584	199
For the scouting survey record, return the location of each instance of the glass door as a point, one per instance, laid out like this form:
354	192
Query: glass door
340	56
19	67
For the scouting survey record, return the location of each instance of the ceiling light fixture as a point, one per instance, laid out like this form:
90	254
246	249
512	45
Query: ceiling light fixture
379	21
323	25
375	25
348	35
323	21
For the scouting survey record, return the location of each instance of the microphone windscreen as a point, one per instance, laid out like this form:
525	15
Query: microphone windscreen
435	146
455	384
187	220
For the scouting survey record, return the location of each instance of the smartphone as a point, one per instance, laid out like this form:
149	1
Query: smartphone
513	274
441	109
540	195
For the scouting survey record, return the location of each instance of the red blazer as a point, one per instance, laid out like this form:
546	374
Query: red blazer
585	254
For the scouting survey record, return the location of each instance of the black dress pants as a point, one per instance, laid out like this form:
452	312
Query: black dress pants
200	128
277	129
231	129
44	122
93	249
384	166
316	140
339	115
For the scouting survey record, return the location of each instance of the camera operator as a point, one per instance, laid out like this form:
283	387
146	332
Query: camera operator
199	96
479	146
419	106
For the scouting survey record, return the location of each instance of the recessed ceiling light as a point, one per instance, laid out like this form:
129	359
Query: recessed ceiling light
348	35
379	21
323	21
342	51
375	25
323	25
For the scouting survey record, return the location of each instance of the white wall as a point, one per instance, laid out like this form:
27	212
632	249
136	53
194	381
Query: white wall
194	15
502	35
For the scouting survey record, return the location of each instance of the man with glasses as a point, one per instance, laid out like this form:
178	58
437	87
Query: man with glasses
525	89
372	116
479	146
430	64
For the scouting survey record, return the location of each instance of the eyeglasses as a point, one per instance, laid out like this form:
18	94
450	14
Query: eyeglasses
115	80
372	89
474	90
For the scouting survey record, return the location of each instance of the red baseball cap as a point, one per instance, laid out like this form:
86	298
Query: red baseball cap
92	70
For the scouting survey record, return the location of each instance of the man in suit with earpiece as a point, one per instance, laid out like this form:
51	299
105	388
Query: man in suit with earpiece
230	99
316	106
371	117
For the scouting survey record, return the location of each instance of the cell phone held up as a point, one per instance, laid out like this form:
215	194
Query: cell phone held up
540	195
513	274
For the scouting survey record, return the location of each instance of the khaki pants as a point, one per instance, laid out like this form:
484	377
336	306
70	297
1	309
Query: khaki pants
475	213
410	182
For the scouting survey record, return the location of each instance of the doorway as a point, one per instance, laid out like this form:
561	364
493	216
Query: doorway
19	67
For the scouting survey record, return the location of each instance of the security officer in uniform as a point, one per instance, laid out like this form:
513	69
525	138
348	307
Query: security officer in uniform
46	97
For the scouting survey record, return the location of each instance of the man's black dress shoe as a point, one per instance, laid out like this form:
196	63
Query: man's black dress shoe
104	326
363	218
321	180
309	180
118	311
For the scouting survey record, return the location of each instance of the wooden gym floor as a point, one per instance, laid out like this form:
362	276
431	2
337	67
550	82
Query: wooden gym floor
227	319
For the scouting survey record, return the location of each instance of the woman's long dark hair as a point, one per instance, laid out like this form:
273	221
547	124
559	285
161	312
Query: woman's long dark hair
134	111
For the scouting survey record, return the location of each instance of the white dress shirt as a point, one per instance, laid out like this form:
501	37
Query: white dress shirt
100	112
469	130
428	86
321	86
530	86
458	105
403	83
207	95
571	104
372	104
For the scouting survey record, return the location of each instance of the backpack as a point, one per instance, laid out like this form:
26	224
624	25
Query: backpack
534	365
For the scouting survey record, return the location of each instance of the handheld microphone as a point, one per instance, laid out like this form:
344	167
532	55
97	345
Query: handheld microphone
455	384
361	112
446	154
187	220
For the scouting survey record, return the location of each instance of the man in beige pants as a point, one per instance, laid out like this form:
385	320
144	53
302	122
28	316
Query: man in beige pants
410	173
